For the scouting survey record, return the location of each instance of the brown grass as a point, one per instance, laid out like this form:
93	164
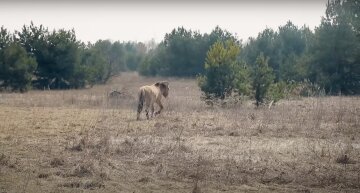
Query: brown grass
86	141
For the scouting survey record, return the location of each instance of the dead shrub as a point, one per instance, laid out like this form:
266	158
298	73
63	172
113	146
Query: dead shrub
43	175
72	184
196	188
104	175
4	160
229	102
83	170
126	147
119	98
55	162
145	179
104	144
93	184
234	134
343	159
79	146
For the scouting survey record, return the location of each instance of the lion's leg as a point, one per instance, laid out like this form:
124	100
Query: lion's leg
138	115
140	105
152	110
147	110
161	108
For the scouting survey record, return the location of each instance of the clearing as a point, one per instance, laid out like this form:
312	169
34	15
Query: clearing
84	141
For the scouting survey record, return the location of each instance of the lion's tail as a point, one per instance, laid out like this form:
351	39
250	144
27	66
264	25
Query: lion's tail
141	103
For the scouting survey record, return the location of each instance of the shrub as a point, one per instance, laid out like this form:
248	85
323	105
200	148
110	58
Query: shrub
220	77
263	77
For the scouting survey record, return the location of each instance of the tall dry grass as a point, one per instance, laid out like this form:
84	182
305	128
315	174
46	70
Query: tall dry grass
84	140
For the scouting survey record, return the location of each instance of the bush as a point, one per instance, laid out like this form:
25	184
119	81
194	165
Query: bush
277	91
220	77
263	77
16	68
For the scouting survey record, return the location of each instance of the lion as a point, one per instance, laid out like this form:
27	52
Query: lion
151	94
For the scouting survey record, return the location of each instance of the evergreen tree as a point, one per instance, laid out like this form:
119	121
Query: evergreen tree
335	63
95	65
16	67
219	79
262	77
5	38
56	52
135	54
183	52
154	62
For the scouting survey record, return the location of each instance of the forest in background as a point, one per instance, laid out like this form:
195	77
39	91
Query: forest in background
326	58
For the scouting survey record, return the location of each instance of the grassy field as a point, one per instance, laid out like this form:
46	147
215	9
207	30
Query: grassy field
84	141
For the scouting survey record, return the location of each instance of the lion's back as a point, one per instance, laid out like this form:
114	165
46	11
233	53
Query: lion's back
150	92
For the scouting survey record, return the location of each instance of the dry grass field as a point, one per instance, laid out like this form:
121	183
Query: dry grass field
84	141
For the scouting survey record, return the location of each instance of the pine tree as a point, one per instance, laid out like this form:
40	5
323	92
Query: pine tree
219	79
16	68
335	64
262	76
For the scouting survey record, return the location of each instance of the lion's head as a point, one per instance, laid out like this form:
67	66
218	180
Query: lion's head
164	88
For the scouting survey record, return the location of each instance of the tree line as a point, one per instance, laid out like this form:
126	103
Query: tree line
275	61
182	52
327	58
38	58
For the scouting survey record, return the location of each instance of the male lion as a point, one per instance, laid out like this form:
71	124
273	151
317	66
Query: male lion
152	94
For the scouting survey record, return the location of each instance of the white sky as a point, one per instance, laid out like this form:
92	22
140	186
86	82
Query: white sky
146	20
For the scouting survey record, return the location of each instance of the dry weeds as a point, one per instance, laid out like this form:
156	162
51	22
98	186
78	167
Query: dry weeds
84	140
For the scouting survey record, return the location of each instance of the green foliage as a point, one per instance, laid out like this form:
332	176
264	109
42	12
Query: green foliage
294	44
290	59
16	67
5	38
329	58
221	67
284	48
266	43
277	91
262	77
182	53
56	52
335	63
65	62
135	55
242	80
104	59
62	58
94	64
284	90
154	63
308	89
33	39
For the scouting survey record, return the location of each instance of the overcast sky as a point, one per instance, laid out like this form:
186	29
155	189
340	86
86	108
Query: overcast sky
145	20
